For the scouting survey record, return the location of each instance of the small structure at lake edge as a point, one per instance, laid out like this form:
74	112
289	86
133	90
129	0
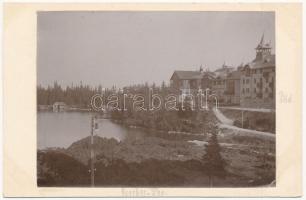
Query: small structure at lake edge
59	106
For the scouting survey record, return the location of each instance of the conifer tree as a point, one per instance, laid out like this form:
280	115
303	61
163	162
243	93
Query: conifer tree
214	164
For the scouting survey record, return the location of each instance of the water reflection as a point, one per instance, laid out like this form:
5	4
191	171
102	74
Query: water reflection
61	129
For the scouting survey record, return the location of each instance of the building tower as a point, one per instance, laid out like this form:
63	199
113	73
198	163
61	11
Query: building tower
262	50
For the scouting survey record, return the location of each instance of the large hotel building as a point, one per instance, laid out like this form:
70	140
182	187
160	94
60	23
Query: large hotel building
248	85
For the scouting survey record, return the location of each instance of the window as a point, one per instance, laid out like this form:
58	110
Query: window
266	74
272	85
186	84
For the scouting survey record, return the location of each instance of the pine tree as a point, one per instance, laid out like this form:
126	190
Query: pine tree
214	164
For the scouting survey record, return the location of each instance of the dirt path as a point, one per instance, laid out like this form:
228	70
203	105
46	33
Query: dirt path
222	118
228	124
264	110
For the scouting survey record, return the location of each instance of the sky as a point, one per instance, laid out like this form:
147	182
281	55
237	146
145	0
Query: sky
124	48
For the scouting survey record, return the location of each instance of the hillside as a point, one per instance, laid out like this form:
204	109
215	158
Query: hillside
154	161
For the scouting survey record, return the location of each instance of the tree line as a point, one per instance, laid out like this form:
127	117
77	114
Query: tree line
80	94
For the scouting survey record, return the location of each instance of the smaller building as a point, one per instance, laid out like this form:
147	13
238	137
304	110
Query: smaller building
232	90
59	107
191	82
219	85
207	79
187	82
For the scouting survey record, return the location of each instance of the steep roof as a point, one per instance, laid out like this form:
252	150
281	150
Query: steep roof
187	75
234	74
209	74
267	61
262	44
224	71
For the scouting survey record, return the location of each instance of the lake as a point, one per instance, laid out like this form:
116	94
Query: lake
61	129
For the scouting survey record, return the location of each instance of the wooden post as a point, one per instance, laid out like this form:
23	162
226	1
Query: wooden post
92	157
242	118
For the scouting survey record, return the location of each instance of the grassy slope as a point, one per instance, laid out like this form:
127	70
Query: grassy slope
155	162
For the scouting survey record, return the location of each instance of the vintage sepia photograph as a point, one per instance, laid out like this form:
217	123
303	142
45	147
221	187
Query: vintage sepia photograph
156	99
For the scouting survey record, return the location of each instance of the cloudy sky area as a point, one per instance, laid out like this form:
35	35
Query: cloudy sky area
123	48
